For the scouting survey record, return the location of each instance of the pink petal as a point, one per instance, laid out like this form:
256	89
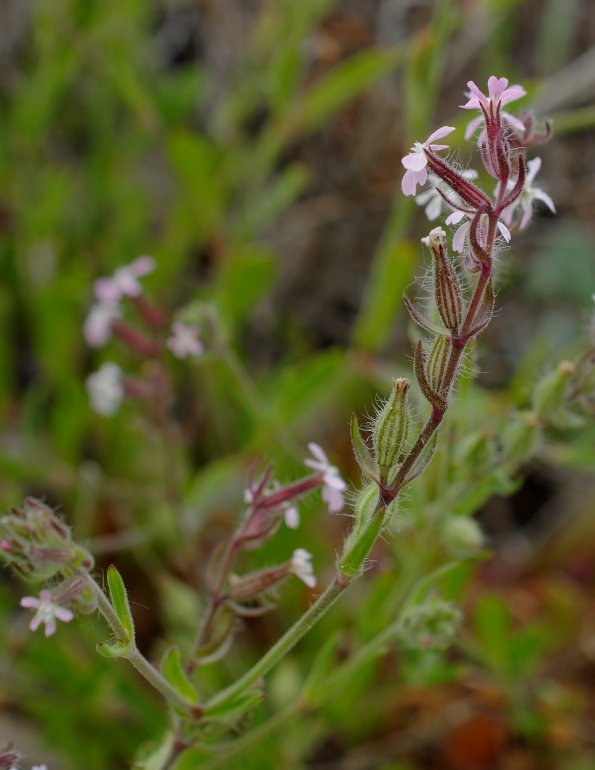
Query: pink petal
473	125
292	517
540	195
415	161
30	602
455	217
106	290
142	266
505	231
318	453
458	241
50	626
444	131
409	183
496	87
63	614
482	98
512	93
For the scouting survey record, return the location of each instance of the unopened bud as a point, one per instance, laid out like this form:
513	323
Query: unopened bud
38	545
391	429
551	389
519	438
248	587
463	536
430	626
437	362
447	287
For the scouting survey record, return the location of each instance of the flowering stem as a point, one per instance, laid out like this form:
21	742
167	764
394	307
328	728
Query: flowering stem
339	583
142	665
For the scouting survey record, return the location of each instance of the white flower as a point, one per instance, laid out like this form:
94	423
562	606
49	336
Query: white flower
433	200
301	567
106	389
97	327
291	516
333	484
124	282
39	767
416	161
47	612
184	341
529	194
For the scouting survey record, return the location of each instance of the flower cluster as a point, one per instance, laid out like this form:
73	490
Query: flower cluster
502	140
107	387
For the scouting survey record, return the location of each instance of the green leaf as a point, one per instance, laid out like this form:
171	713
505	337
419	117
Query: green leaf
391	273
361	451
113	651
172	670
235	708
119	599
314	686
243	279
492	624
341	86
302	387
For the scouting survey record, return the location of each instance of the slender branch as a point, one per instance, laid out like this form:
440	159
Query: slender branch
339	583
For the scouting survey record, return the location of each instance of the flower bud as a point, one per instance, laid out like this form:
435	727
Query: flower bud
462	536
447	287
519	438
430	626
38	545
391	429
551	389
438	361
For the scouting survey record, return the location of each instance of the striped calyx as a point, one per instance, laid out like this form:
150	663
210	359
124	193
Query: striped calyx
391	429
447	287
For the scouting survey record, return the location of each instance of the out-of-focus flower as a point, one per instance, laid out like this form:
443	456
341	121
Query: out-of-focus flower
184	341
301	566
333	484
98	323
529	194
106	389
124	282
47	612
416	161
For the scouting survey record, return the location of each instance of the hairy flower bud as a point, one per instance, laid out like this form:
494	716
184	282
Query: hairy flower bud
38	545
430	626
437	361
462	536
551	389
519	438
391	429
447	287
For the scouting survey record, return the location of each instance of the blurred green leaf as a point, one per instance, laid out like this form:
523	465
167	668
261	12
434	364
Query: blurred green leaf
173	671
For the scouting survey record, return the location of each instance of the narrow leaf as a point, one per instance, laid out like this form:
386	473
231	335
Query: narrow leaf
422	321
484	311
172	670
237	707
119	599
361	451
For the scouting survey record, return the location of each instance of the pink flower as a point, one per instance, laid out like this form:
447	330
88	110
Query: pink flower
498	94
47	612
184	341
416	161
529	194
124	282
97	328
301	566
333	484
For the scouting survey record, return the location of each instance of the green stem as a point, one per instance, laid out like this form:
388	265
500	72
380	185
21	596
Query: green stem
301	627
140	663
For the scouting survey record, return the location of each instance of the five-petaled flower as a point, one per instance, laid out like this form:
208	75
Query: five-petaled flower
47	612
529	194
97	328
333	484
416	161
184	340
498	94
301	567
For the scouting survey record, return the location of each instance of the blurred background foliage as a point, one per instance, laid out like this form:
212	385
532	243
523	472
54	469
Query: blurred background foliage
253	148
